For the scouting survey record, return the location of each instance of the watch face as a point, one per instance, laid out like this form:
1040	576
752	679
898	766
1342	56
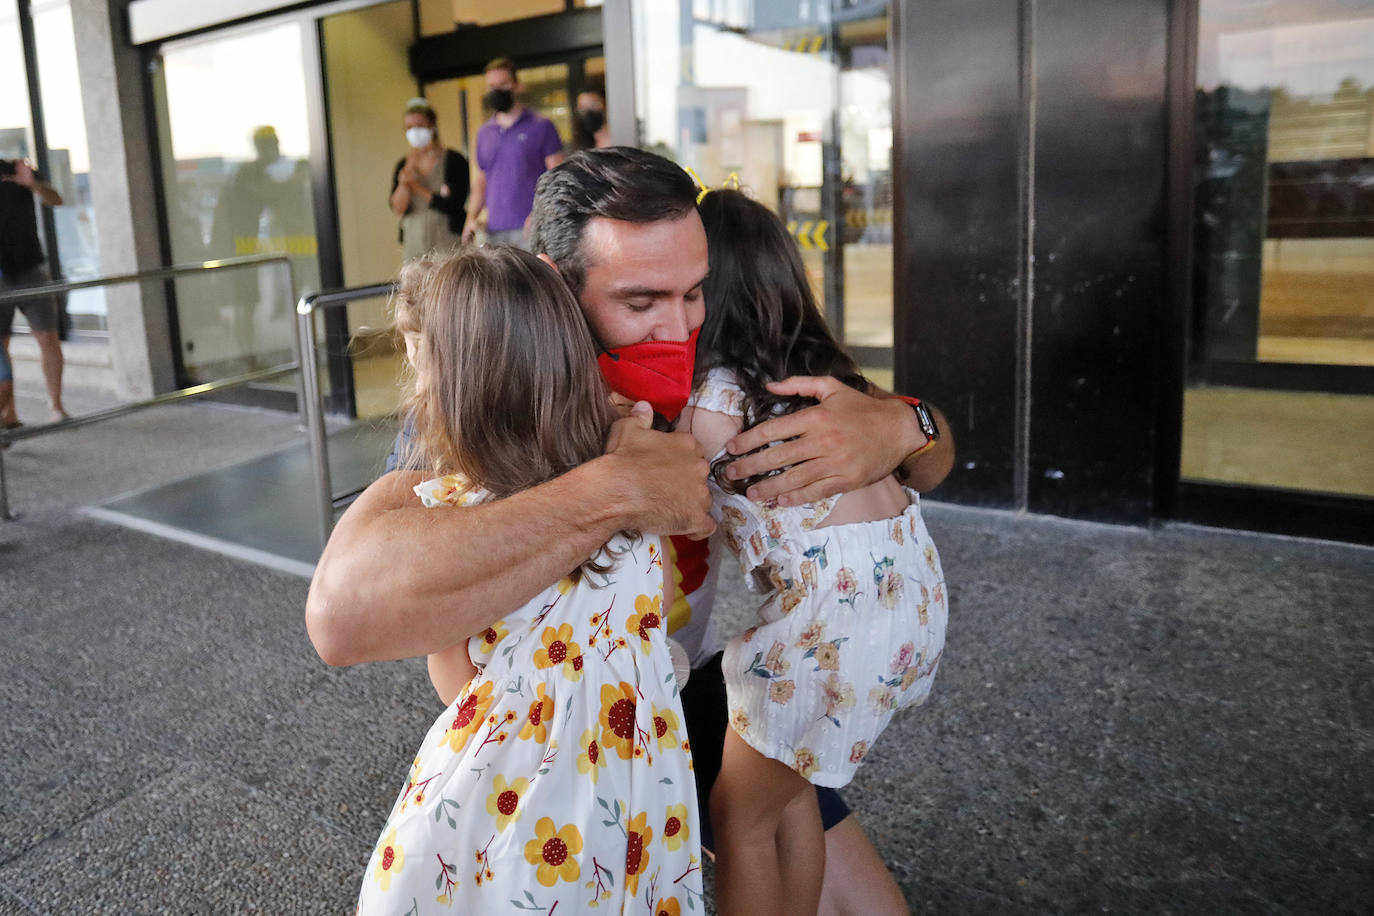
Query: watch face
927	422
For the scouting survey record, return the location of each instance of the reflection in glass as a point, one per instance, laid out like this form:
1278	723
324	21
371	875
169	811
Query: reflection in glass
16	141
796	99
1285	196
1284	234
236	166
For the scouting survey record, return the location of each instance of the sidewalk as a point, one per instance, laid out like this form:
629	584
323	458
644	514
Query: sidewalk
1178	720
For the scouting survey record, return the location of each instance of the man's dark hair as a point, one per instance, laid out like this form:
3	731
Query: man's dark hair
619	182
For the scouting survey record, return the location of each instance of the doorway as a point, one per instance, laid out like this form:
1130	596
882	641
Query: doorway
374	63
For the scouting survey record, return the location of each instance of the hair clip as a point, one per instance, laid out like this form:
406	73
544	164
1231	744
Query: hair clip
699	183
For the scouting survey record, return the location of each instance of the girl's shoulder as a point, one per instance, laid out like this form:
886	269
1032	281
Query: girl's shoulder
450	490
719	391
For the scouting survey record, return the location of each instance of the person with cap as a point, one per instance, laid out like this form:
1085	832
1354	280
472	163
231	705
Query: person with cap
429	186
514	148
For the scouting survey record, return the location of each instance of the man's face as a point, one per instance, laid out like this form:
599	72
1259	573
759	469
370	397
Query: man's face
644	279
590	101
500	79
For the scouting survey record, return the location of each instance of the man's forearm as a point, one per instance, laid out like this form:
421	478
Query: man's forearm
397	580
924	471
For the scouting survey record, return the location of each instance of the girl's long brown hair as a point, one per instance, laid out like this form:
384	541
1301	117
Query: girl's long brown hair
507	391
762	322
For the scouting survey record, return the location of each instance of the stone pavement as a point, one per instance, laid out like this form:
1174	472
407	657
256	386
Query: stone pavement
1175	720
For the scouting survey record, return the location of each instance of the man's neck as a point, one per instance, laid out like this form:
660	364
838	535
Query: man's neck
507	118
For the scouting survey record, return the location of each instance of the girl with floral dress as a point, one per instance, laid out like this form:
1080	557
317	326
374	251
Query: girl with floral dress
559	778
852	624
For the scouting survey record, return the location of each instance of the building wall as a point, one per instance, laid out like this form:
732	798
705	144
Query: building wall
1030	251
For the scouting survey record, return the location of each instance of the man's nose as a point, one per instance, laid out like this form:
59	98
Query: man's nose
674	325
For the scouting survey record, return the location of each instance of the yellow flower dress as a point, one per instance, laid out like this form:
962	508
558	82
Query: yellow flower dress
560	778
851	628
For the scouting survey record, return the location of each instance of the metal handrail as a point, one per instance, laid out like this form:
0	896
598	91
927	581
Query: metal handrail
27	292
312	400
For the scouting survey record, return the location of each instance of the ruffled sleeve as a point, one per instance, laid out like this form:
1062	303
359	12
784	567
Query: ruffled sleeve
450	490
719	392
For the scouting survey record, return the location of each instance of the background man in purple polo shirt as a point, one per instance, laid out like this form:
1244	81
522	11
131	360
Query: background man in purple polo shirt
513	150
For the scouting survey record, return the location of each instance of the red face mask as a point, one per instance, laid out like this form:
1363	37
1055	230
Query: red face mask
657	371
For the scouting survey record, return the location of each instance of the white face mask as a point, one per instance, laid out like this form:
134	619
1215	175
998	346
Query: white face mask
419	137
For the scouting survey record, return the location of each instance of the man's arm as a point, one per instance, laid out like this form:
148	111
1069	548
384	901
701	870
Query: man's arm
397	580
400	191
26	177
846	441
477	200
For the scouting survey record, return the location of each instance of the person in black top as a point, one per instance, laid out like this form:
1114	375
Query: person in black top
429	186
22	263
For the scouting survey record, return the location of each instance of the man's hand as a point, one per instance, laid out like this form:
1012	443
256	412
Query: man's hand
469	230
662	477
623	405
845	442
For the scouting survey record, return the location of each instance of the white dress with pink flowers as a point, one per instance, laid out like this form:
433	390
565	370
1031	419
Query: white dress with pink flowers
851	629
560	778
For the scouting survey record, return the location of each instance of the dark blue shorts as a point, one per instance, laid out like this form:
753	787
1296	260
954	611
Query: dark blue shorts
703	703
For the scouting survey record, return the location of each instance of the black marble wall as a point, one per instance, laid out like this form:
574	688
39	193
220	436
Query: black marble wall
957	216
1031	148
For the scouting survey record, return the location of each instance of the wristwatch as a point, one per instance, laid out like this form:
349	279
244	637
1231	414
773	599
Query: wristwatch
925	420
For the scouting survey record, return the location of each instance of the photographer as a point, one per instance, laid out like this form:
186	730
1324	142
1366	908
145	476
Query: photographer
22	264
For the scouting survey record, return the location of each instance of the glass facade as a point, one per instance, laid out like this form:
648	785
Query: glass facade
795	99
16	131
69	159
68	165
1284	257
235	147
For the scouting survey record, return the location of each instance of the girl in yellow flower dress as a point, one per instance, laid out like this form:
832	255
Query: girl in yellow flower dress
852	626
559	780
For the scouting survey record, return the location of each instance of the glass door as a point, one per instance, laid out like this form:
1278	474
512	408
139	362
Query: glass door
1280	391
236	146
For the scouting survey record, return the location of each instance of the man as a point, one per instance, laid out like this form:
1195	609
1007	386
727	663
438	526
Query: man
513	150
620	225
21	264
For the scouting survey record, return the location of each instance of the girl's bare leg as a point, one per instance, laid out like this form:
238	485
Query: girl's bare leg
857	882
801	851
748	805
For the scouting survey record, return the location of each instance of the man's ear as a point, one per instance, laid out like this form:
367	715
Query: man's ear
549	261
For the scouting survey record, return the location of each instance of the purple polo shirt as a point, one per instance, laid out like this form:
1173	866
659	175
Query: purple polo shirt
512	158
